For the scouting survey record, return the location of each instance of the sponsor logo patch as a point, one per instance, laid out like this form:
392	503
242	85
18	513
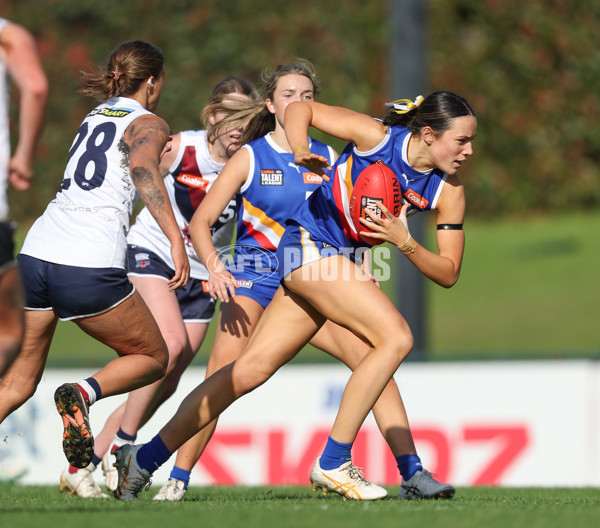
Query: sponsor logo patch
190	180
416	199
142	260
368	202
271	177
311	177
245	284
112	112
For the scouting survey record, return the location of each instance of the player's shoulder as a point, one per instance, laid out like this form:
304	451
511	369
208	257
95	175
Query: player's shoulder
149	121
452	195
193	135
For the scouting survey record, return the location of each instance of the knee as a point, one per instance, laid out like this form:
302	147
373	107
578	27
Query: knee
176	344
247	378
161	358
399	343
404	345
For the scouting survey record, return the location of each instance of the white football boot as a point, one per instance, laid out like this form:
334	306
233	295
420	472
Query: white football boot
346	480
81	483
173	490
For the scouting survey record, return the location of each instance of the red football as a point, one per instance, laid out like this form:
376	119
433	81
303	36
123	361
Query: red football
376	183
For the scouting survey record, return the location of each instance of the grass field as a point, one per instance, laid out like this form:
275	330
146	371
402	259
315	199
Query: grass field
291	507
528	289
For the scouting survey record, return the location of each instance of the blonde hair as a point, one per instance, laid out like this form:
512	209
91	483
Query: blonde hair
237	111
225	99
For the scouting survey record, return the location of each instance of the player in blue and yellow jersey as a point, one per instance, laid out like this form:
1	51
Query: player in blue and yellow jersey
243	305
424	142
327	215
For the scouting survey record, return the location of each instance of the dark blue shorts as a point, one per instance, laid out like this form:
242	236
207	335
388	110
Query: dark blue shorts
195	303
72	291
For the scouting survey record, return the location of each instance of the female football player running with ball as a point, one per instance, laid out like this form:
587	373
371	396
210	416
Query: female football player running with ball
270	187
73	259
424	143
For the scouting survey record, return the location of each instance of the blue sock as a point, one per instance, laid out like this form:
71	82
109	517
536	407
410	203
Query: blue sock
408	465
335	454
96	386
178	473
96	460
124	436
153	454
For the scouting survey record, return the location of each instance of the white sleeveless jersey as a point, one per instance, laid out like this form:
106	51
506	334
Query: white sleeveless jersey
86	224
4	131
190	177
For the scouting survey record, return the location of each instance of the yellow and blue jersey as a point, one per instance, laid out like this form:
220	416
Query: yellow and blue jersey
275	190
326	214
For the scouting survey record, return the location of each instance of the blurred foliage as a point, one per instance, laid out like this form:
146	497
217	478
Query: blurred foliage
530	69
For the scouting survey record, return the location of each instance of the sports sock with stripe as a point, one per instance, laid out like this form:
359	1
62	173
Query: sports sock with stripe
90	390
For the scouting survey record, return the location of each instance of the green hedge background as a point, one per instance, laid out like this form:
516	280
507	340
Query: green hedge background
530	69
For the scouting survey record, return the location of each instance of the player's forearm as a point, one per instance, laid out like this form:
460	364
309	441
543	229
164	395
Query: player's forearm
31	118
297	120
151	189
440	269
203	244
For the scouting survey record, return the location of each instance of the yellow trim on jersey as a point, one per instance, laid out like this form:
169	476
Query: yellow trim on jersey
310	253
262	223
261	217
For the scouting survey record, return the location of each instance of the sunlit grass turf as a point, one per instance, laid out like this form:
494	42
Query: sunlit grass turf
250	507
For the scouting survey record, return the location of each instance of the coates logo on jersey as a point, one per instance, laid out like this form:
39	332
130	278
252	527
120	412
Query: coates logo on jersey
271	177
198	182
415	199
311	177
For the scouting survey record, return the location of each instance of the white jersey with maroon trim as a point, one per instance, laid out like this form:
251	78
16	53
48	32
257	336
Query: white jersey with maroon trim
191	175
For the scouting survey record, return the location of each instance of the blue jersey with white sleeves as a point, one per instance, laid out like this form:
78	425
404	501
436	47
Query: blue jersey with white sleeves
326	214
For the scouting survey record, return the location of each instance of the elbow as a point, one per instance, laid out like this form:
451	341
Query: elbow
38	88
448	282
42	89
42	93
